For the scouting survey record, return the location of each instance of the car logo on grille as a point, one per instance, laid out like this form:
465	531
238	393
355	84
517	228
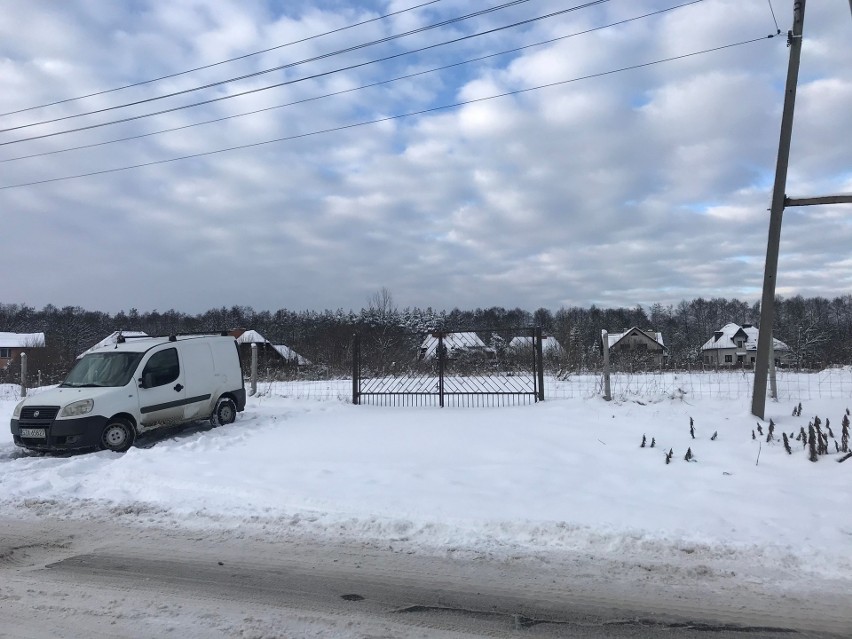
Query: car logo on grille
35	414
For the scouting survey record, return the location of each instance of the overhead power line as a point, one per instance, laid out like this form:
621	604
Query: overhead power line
298	80
353	89
774	19
289	65
383	119
221	62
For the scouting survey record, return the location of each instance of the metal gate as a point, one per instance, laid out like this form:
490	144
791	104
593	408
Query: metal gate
493	367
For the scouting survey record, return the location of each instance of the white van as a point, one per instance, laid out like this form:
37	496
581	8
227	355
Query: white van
120	390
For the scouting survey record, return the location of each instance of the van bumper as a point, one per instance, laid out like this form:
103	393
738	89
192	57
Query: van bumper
66	434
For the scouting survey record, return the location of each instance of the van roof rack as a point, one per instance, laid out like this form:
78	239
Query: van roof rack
121	339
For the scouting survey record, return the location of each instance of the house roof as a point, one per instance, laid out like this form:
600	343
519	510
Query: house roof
549	344
615	338
288	353
21	340
111	340
253	337
452	342
726	338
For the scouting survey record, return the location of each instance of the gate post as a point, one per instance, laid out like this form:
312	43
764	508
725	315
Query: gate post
539	360
253	370
441	369
356	369
23	374
605	347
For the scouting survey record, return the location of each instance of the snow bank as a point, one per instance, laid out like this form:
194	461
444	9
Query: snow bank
556	477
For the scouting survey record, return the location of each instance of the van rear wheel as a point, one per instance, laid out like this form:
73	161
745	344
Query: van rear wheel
118	435
225	413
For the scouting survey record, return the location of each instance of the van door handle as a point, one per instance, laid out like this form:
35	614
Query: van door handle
178	388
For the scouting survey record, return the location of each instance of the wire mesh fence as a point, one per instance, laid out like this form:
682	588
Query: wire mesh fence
559	383
833	383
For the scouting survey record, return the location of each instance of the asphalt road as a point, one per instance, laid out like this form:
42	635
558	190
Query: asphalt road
67	578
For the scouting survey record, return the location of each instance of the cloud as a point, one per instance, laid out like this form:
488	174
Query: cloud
634	187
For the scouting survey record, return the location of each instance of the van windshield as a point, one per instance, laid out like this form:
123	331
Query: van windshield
102	369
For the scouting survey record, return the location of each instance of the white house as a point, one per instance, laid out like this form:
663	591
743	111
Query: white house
454	345
735	345
13	344
646	345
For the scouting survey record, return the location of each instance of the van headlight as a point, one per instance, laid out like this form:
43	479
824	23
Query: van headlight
78	408
17	412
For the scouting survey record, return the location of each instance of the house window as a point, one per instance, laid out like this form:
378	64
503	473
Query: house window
729	359
752	360
739	343
5	353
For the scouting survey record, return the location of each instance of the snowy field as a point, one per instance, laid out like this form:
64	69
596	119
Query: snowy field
558	477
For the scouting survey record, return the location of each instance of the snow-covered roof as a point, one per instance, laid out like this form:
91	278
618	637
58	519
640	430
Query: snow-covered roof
614	338
21	340
549	344
111	340
726	338
251	337
452	342
288	353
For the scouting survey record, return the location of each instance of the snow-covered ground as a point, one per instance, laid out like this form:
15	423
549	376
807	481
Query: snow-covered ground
564	476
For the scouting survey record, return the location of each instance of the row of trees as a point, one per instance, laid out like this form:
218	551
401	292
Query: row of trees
818	330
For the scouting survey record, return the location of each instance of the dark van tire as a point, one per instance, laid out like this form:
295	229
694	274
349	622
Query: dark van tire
118	435
225	412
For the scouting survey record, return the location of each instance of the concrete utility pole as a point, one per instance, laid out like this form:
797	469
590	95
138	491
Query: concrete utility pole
779	202
767	303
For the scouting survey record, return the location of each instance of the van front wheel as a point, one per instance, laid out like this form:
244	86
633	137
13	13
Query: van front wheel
118	436
225	413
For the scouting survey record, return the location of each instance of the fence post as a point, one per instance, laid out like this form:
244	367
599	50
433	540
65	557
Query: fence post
605	348
39	378
356	369
254	369
539	358
441	369
23	374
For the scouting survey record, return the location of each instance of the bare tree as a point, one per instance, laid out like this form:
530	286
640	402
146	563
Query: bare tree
806	341
381	304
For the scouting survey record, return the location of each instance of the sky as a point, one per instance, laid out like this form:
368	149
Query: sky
610	187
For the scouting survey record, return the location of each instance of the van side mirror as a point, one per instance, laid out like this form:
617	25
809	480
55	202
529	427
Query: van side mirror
141	382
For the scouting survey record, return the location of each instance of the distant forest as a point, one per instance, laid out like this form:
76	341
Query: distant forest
818	330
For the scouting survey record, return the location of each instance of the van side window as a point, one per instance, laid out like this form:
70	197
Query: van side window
161	369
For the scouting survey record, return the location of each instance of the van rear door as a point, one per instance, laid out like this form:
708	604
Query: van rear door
199	375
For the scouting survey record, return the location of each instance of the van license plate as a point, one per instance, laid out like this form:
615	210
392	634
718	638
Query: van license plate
34	433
